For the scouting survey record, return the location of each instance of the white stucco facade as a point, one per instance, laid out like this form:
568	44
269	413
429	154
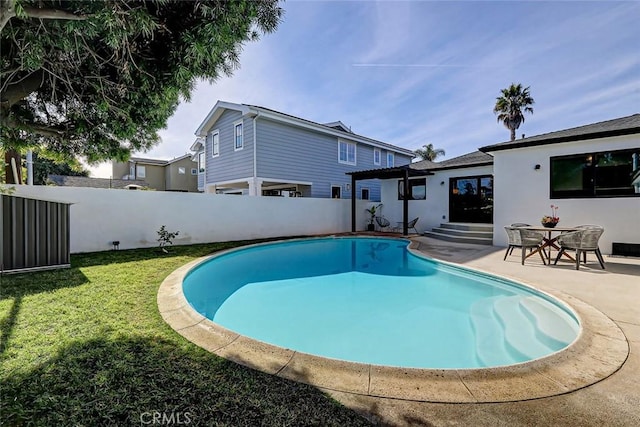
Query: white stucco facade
434	210
522	193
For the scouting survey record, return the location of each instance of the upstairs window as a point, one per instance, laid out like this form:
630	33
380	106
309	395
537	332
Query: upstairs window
390	160
194	171
590	175
182	171
346	152
201	158
377	156
215	143
237	132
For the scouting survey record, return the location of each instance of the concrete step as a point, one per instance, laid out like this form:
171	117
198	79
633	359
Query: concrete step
463	233
459	239
467	226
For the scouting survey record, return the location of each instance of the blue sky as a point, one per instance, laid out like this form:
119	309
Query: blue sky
416	72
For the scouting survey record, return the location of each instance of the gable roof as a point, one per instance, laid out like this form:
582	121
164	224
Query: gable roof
329	129
83	181
158	162
476	158
621	126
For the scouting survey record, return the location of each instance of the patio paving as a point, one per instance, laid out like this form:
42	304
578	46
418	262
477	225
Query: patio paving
614	401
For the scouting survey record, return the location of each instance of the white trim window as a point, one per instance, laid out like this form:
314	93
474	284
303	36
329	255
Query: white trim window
182	170
194	171
215	143
141	171
238	141
391	160
364	193
346	152
377	156
201	162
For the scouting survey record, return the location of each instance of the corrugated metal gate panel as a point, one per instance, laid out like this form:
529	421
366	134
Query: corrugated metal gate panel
35	234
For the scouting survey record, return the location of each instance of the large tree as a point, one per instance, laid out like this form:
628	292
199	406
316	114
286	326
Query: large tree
427	152
511	106
99	79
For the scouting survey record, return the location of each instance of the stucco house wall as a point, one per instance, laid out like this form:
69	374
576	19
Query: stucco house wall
522	193
434	210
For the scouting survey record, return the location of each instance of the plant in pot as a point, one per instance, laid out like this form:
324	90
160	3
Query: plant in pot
553	220
372	216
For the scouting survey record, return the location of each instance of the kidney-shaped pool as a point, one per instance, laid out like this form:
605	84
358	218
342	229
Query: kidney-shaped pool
370	300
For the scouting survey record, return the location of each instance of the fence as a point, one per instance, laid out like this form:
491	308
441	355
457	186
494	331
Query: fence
34	234
101	216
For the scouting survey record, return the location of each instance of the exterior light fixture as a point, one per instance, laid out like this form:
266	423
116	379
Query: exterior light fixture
116	245
537	167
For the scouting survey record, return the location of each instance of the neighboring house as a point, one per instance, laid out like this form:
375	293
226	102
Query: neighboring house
81	181
246	149
179	174
592	173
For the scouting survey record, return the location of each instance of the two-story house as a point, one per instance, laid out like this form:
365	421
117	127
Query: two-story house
246	149
179	174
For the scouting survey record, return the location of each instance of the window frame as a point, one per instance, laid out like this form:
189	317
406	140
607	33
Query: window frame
347	145
215	143
202	162
362	190
194	171
412	183
182	170
143	169
590	191
391	156
238	125
379	153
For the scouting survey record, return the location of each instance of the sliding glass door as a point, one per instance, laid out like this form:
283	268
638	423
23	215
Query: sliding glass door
471	199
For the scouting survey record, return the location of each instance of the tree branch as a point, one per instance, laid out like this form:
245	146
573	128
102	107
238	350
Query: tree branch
7	11
14	92
33	12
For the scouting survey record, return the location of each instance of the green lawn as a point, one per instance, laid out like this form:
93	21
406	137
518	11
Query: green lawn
87	346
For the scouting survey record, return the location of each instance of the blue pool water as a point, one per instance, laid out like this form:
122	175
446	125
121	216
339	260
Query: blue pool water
372	301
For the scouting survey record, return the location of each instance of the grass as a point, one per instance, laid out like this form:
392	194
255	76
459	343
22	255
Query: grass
87	346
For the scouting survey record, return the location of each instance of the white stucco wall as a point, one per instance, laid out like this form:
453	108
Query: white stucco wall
100	216
522	193
432	211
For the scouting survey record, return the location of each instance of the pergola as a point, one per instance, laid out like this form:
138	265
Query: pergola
399	172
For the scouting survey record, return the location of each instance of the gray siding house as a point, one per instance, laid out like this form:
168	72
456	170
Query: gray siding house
246	149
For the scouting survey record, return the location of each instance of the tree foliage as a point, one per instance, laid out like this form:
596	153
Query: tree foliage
511	106
44	166
100	79
427	152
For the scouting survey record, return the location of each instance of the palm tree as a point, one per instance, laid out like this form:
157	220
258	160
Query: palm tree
511	106
427	152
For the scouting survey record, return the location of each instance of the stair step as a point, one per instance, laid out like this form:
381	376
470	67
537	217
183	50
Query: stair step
557	328
458	239
520	334
464	233
467	226
490	348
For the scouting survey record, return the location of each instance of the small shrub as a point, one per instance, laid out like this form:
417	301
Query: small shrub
166	238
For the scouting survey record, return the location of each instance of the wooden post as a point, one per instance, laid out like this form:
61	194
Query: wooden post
353	203
405	203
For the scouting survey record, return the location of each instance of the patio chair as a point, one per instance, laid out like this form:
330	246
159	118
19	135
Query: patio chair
521	238
411	225
382	222
583	240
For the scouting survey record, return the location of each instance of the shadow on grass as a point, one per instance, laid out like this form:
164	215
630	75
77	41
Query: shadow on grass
127	381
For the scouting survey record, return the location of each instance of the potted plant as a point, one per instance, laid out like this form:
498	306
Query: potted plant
551	221
372	216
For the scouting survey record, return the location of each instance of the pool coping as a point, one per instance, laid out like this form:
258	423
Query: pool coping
599	351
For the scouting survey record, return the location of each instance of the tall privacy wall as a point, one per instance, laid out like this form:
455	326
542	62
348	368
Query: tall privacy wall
101	216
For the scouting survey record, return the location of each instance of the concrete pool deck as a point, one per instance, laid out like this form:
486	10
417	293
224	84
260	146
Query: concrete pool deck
581	386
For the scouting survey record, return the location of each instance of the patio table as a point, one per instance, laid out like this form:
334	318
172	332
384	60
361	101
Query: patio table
549	241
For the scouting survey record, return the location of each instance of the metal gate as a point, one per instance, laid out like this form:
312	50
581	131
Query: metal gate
34	234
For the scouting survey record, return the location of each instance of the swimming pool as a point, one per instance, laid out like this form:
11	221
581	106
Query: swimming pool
370	300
